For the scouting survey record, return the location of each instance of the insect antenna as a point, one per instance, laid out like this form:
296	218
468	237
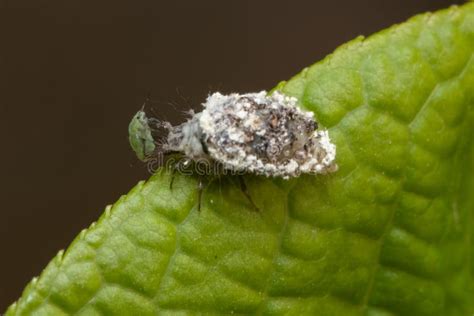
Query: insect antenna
150	103
147	100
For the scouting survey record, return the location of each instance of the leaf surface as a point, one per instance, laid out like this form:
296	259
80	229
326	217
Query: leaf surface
390	233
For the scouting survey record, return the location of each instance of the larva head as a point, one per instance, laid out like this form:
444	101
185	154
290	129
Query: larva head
140	136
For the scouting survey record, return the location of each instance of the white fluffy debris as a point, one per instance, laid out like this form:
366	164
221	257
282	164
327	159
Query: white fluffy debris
257	133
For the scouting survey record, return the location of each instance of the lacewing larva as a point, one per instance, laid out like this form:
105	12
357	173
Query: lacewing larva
260	133
254	133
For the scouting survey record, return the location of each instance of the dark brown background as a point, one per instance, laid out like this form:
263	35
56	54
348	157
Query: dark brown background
74	72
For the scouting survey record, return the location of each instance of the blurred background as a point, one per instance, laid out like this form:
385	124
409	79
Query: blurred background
72	74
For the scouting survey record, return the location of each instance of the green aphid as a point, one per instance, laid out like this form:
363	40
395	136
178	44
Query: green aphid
140	136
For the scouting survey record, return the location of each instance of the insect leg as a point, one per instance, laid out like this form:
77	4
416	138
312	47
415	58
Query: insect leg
243	188
173	174
200	190
177	166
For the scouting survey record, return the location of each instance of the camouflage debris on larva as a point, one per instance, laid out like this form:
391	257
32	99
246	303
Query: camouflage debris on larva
256	133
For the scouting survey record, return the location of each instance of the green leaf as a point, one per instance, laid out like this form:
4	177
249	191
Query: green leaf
390	233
